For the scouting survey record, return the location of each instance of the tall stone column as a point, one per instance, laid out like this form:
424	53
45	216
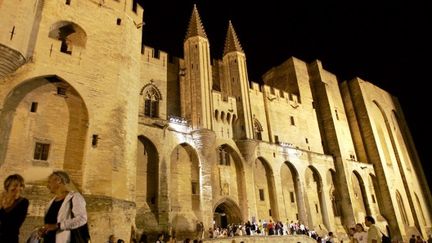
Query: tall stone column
204	141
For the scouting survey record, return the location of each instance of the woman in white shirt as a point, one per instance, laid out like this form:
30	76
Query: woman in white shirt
360	235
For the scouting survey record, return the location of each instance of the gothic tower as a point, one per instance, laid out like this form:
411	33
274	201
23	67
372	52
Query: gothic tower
236	83
197	82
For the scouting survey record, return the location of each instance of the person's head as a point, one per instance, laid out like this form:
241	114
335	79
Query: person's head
111	238
58	180
352	230
120	241
143	238
369	220
14	184
359	228
330	234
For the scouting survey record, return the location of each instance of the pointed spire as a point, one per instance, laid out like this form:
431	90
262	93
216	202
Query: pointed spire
232	43
195	25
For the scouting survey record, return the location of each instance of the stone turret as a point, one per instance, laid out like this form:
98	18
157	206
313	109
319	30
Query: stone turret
197	79
232	44
236	83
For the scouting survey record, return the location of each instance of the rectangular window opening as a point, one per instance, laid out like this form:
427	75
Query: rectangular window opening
41	151
34	106
61	90
195	190
292	197
292	121
118	21
261	194
95	139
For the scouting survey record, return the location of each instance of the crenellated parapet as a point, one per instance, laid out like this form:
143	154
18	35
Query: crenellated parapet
276	94
154	57
131	8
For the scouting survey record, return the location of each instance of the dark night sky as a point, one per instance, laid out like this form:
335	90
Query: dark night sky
385	45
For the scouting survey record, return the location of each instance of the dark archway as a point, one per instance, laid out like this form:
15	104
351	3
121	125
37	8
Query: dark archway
147	182
227	212
360	201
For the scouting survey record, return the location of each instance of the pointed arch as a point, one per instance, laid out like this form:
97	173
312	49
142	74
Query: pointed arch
151	96
70	34
383	132
226	212
229	177
147	182
399	155
420	208
184	180
360	202
291	192
54	99
315	204
258	129
401	208
265	189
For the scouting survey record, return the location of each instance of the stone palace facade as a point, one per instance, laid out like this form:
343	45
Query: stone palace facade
157	143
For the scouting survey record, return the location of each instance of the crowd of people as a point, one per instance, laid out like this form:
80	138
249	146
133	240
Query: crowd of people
66	212
264	228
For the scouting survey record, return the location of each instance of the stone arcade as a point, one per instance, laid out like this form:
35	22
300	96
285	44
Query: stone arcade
158	144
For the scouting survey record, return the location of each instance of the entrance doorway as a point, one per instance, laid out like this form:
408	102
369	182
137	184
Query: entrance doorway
227	212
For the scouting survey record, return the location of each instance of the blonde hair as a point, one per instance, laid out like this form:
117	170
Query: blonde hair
12	178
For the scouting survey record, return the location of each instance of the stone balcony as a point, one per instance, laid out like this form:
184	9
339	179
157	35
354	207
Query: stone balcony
10	60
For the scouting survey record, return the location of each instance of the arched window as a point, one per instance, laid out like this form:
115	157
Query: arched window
401	207
151	101
257	129
224	156
69	34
